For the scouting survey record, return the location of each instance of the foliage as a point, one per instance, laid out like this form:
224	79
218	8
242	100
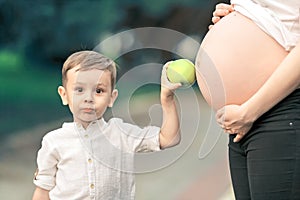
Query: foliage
36	36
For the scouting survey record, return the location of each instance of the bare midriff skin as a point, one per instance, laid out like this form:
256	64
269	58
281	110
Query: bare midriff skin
235	59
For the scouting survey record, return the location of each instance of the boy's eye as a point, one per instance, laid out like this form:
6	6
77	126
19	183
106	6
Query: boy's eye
99	91
79	89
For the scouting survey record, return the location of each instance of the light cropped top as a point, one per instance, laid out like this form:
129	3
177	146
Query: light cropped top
278	18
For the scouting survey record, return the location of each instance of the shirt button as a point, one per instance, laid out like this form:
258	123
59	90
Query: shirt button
92	186
90	160
86	136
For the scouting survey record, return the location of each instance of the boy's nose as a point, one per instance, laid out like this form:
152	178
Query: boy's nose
89	98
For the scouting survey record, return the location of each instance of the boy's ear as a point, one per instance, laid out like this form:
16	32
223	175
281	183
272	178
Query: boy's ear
63	95
114	96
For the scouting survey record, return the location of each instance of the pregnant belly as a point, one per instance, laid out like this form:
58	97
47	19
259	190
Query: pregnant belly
234	60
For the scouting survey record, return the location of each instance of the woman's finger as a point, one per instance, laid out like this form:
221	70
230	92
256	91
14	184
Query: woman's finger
220	12
224	6
238	137
215	19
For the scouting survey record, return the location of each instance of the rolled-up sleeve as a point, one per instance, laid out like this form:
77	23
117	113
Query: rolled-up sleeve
138	139
47	159
147	139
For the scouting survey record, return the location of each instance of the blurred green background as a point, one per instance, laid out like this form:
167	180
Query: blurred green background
36	36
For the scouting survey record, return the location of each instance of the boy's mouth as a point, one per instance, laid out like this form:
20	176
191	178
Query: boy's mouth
88	110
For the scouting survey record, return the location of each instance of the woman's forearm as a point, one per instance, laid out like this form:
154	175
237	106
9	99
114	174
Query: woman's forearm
40	194
284	80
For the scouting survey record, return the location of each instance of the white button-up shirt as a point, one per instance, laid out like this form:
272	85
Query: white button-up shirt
96	163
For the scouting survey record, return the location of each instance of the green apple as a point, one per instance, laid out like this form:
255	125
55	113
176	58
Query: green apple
181	71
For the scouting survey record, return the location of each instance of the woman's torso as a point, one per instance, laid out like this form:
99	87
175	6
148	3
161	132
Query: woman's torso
235	58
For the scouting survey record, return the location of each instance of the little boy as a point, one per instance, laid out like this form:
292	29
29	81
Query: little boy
90	158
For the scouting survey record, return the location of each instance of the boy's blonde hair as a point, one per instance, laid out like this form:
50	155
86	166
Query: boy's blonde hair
89	60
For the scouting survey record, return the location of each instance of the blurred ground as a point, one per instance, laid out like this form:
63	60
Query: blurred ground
184	177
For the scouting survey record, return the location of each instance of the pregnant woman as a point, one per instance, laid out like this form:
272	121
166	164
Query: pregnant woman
248	70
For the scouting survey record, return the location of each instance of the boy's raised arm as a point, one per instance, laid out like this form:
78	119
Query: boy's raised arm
170	130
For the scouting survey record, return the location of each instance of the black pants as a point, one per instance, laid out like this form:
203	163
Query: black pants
265	164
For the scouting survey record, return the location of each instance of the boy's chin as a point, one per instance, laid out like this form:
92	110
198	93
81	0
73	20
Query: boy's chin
88	119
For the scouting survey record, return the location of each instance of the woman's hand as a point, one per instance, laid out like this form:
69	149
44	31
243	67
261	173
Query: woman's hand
234	120
221	10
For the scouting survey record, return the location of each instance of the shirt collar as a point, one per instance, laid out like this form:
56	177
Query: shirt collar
94	126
